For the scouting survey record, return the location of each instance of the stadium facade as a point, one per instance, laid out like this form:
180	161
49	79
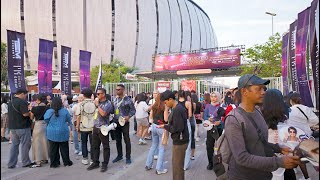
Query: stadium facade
128	30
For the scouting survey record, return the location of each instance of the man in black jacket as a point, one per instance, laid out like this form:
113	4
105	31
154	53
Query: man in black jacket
178	128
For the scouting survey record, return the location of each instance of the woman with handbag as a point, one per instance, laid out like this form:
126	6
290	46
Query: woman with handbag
158	116
213	113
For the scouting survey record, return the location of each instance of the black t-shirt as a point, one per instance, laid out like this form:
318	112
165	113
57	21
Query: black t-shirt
39	111
16	108
159	118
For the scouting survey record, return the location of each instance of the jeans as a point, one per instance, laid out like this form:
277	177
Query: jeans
84	142
178	154
156	145
23	137
125	131
193	129
97	139
77	145
188	150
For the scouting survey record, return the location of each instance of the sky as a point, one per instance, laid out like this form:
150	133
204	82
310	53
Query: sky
245	22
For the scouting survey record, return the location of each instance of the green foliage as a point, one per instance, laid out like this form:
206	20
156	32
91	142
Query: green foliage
266	57
110	72
4	65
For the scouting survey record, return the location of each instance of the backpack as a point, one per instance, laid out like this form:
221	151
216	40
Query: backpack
221	147
87	112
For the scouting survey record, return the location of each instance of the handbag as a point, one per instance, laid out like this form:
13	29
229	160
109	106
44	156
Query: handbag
218	166
165	137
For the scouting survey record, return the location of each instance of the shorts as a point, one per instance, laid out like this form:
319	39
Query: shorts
198	121
143	121
4	121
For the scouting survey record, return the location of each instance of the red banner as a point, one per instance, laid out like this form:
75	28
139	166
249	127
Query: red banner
188	85
208	60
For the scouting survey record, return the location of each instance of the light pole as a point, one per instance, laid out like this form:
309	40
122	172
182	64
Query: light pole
271	14
119	72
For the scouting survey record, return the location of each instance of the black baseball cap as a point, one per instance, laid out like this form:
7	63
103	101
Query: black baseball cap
251	79
21	90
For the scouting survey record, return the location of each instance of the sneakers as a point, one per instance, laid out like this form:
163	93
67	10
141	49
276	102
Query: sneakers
155	157
161	172
85	161
76	152
117	159
210	167
93	166
128	161
148	138
80	153
148	168
197	139
142	142
103	169
192	158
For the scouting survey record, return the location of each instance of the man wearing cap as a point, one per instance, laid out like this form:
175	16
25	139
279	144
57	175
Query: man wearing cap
19	125
105	108
250	159
75	135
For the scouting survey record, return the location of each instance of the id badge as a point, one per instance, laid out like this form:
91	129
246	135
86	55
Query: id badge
117	112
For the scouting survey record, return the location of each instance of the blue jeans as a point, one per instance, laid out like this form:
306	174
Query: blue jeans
23	137
188	151
84	142
156	144
77	145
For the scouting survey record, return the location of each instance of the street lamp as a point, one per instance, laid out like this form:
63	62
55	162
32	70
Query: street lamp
271	14
119	72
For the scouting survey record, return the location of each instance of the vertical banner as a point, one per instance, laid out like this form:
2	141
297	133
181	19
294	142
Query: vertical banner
284	64
84	69
65	70
188	85
301	52
15	45
314	50
292	76
45	66
99	79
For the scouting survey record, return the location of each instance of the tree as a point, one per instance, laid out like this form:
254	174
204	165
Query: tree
264	59
4	65
110	72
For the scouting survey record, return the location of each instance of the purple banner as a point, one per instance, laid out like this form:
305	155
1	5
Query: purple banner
84	69
65	70
208	60
314	51
284	64
15	56
45	66
301	52
292	73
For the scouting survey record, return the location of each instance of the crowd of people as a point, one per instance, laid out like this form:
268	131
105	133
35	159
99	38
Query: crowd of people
248	116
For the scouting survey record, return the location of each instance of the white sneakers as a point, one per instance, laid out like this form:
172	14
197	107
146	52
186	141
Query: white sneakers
142	142
85	161
79	153
155	157
162	172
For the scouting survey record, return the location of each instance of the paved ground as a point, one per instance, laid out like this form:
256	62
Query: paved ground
116	171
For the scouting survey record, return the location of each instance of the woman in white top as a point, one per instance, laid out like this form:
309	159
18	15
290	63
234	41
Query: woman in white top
301	116
4	118
142	110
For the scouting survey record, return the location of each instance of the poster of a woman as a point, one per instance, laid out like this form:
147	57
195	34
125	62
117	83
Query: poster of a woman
289	136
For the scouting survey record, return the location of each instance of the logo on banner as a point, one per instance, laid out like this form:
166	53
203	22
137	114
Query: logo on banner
65	60
16	49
